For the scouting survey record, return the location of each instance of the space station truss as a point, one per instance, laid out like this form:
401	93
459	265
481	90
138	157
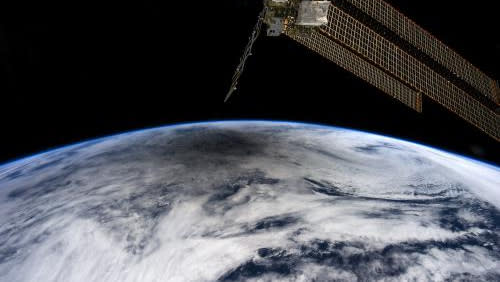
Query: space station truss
380	45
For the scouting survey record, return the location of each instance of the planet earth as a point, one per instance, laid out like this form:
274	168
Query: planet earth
249	200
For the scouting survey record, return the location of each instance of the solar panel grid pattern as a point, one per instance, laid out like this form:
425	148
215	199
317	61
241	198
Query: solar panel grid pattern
423	40
359	67
376	49
366	44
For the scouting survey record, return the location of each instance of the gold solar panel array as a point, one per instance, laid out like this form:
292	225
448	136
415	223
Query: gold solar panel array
426	42
359	49
348	60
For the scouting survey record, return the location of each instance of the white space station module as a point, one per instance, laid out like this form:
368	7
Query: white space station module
380	45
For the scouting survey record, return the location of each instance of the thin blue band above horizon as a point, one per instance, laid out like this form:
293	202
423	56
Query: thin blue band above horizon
39	154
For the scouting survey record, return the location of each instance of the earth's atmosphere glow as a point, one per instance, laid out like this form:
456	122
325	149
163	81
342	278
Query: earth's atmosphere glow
249	200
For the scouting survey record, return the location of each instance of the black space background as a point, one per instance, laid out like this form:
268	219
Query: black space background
113	67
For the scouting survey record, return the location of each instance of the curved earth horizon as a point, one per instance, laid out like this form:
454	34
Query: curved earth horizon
249	200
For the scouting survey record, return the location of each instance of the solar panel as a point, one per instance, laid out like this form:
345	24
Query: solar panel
380	45
359	49
423	40
351	62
